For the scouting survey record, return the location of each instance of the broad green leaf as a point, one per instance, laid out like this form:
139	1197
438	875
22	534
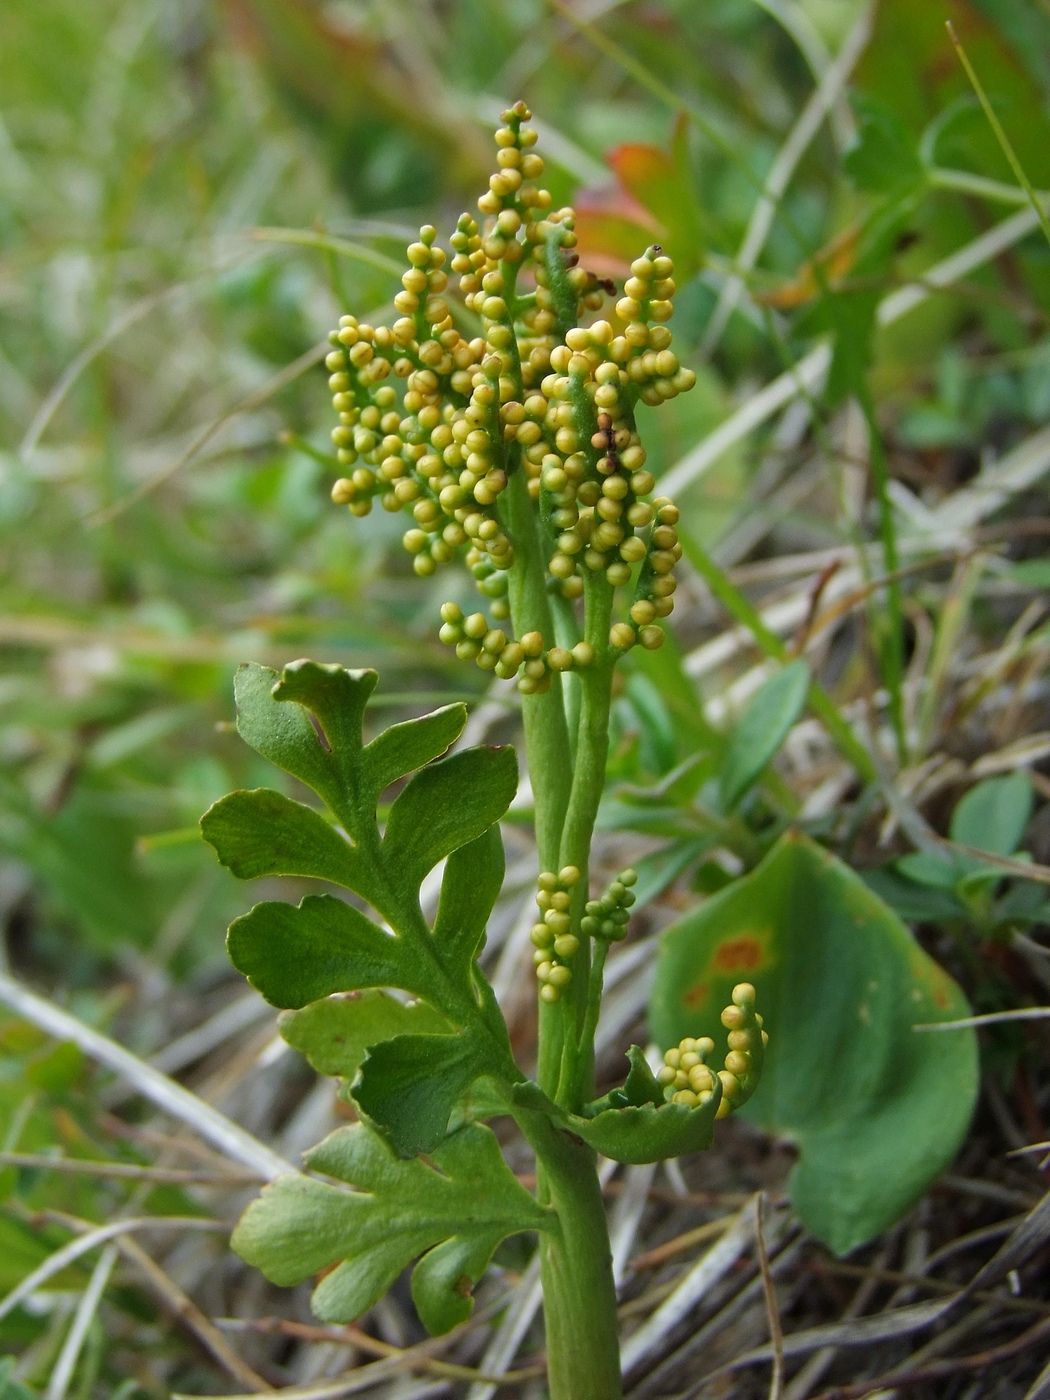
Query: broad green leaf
1031	573
309	721
935	871
876	1109
465	1198
907	67
470	885
409	1086
337	1032
850	316
437	1281
764	726
297	954
641	1085
994	815
445	805
405	747
261	832
632	1124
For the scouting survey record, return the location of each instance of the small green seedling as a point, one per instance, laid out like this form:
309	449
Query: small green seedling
514	447
956	886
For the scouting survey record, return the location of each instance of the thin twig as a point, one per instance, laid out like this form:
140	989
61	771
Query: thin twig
62	1258
126	1171
938	1370
653	1258
189	1314
351	1336
229	1137
776	1333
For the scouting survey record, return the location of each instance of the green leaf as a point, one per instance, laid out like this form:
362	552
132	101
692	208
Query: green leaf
658	870
876	1109
445	805
994	815
465	1199
648	1133
935	872
850	315
337	1032
886	156
1031	573
334	696
410	1085
285	734
765	725
405	747
470	885
916	903
296	955
11	1388
261	832
641	1085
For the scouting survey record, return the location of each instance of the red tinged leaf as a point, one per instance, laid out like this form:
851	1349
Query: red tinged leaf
653	200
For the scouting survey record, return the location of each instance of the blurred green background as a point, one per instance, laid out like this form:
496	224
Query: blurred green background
193	191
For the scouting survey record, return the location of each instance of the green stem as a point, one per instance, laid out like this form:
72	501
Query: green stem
567	634
543	718
594	996
579	1296
546	732
576	1079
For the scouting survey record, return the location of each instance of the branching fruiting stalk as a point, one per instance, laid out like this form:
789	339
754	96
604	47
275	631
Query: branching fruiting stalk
516	451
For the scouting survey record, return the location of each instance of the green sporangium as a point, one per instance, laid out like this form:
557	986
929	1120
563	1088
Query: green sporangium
515	451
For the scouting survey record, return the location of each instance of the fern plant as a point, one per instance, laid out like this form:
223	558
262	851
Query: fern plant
515	450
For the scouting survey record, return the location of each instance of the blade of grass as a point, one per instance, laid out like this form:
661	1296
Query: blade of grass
1000	134
128	318
126	1171
248	404
744	612
659	89
328	243
62	1374
890	639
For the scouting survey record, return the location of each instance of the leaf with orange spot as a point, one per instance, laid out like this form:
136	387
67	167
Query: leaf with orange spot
876	1110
